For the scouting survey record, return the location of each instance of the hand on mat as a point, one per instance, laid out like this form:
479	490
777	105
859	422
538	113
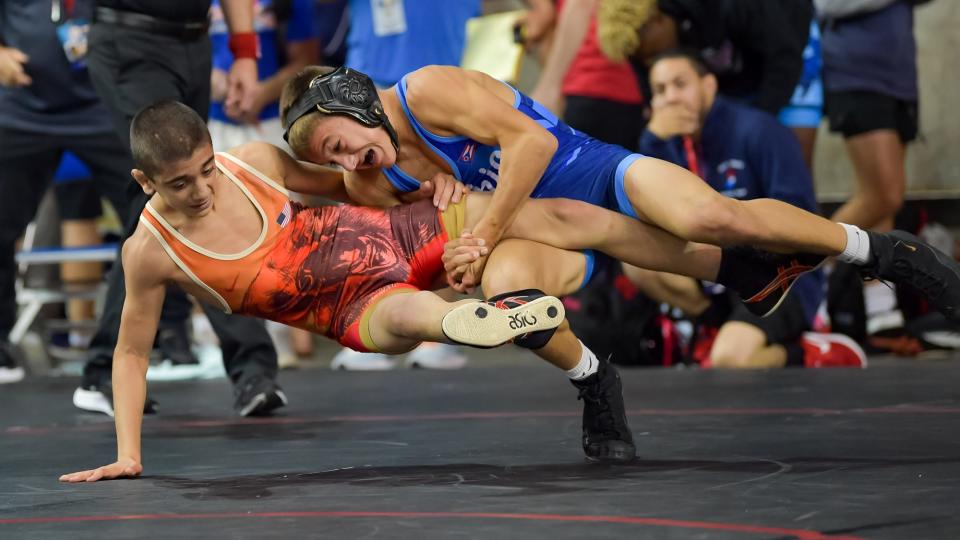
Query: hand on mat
122	468
241	87
11	67
443	188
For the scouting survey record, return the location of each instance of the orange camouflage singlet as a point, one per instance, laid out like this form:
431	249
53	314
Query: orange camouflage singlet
314	268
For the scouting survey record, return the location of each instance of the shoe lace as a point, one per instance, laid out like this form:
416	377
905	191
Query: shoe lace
602	414
927	282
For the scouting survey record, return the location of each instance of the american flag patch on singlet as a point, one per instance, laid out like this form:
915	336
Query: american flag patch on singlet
284	218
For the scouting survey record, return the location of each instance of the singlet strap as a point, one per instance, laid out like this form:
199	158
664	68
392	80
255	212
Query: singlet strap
180	263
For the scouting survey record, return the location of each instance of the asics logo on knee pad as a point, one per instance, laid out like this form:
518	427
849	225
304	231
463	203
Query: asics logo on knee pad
518	322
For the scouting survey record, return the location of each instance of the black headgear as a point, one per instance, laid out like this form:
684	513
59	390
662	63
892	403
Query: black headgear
343	91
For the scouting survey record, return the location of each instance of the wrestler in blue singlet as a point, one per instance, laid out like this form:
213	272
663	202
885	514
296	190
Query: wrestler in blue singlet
583	168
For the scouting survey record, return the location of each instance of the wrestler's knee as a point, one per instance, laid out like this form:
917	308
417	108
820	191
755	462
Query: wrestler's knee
729	359
398	320
713	220
506	270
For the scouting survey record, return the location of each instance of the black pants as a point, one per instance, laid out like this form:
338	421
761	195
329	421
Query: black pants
610	121
28	161
132	69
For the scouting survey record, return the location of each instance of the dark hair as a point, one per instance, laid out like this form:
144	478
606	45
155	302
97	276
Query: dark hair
690	55
165	132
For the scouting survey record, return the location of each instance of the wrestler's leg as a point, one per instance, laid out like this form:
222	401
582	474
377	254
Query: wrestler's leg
397	322
675	199
517	264
520	264
400	321
575	225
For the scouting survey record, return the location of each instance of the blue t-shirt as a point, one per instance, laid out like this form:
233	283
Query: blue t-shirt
299	27
582	168
874	52
389	39
746	154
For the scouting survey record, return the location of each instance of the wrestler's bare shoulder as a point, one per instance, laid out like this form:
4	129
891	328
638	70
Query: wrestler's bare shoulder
434	72
145	258
420	83
262	156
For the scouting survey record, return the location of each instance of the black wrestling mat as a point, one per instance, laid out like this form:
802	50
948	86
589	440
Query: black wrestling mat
493	453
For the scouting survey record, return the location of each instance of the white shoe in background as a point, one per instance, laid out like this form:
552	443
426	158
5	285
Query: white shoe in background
436	356
880	303
92	399
11	374
352	360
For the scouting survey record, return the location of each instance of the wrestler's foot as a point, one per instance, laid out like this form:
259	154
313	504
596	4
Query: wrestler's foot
766	278
511	315
606	434
904	259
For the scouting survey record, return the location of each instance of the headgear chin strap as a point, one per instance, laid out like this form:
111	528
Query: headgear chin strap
343	91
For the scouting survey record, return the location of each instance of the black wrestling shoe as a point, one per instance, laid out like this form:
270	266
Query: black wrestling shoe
174	345
606	434
98	397
258	396
503	318
763	279
904	259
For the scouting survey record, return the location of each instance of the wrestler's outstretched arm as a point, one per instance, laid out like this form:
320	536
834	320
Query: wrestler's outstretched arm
146	289
576	225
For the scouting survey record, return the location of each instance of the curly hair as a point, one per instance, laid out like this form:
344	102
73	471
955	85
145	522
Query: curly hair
618	26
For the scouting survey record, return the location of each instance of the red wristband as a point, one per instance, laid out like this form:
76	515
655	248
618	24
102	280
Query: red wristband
245	45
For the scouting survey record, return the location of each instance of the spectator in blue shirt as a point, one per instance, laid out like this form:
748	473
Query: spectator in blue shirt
743	153
390	38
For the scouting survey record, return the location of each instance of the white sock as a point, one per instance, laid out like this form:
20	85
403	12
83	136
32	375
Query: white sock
587	365
857	250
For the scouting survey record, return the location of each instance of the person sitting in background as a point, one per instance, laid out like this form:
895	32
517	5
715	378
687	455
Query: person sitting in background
745	154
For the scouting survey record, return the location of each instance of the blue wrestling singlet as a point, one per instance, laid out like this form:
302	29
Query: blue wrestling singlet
583	168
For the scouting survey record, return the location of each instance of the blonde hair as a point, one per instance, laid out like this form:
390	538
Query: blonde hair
298	136
618	26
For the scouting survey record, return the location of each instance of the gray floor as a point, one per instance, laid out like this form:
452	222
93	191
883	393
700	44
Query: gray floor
494	451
